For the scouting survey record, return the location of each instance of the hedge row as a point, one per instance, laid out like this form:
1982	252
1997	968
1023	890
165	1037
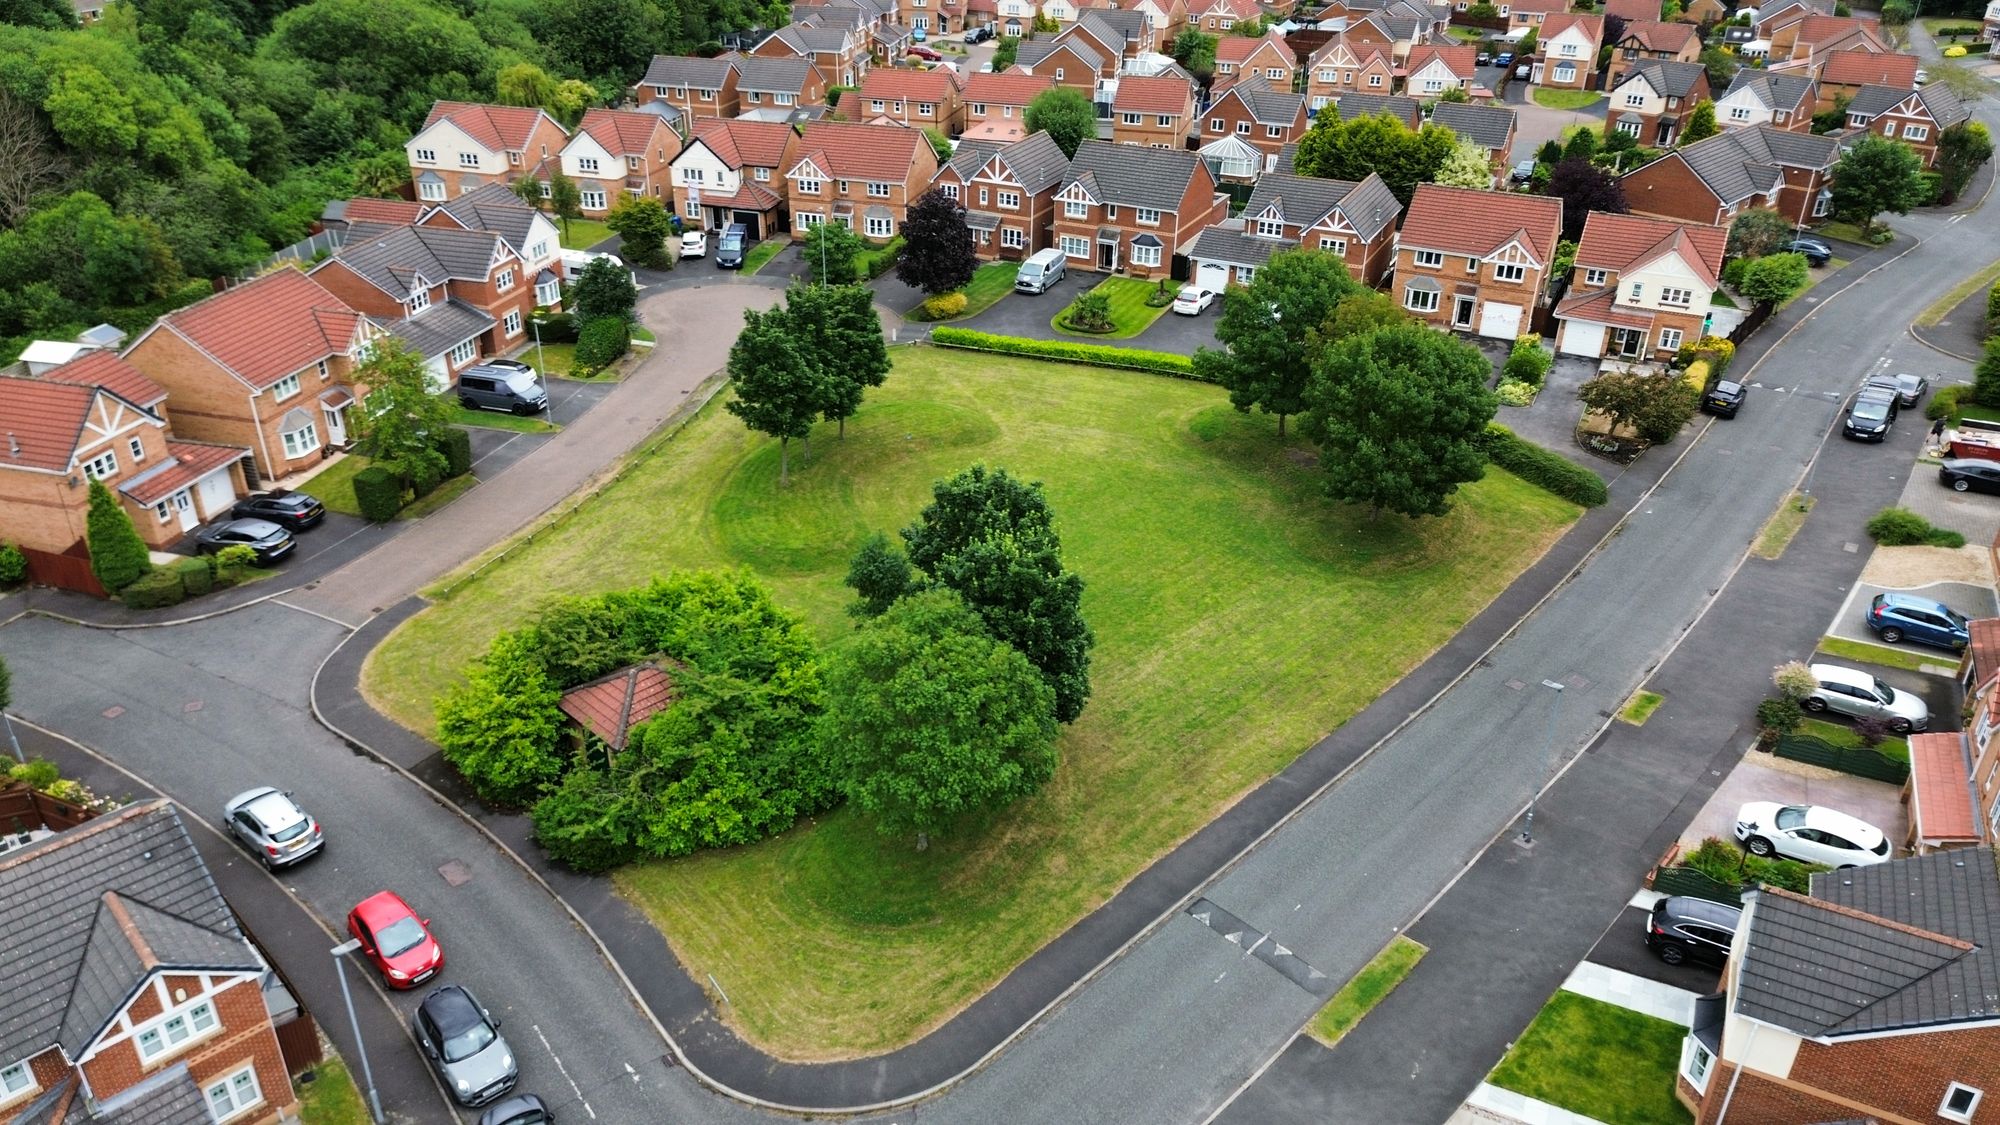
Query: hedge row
1547	470
1095	355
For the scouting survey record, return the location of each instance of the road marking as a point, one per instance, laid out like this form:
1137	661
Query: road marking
314	613
1280	958
565	1071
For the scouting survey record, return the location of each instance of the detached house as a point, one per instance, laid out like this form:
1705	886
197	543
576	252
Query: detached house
451	296
1269	58
1764	97
1130	209
1431	70
130	994
1566	51
841	53
1651	101
1651	39
266	365
1072	62
1703	13
922	99
996	105
1842	74
1531	13
1491	127
1252	115
1641	287
1153	112
462	147
1476	261
1760	168
1818	35
1989	26
777	85
1008	192
1220	17
1914	117
1409	111
618	151
860	176
1339	69
529	233
1355	222
734	172
697	88
1872	999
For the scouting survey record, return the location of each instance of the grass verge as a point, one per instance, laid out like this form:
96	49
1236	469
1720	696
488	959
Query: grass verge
1599	1060
761	254
1359	996
582	234
440	496
492	420
1783	525
1813	278
1910	660
1565	99
331	1097
1979	282
1221	585
643	335
1846	736
1641	707
550	360
1846	232
1130	315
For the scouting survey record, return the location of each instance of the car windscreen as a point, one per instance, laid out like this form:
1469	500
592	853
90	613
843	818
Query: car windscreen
1887	693
290	832
1871	411
400	936
523	382
1031	271
732	242
468	1043
1791	816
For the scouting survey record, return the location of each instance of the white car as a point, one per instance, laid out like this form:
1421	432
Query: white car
1810	834
694	244
1192	300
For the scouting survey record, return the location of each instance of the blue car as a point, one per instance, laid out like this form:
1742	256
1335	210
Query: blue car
1898	616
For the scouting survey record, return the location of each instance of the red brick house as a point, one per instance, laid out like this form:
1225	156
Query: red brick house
1651	39
1491	127
1476	261
697	88
1355	222
1339	69
996	105
1008	192
1220	17
921	99
1131	210
1641	287
131	995
452	296
1268	57
528	232
1153	112
1766	97
775	87
840	51
1842	74
1761	168
1914	117
1872	999
860	176
1652	99
1072	61
734	172
616	152
1253	113
1566	51
463	146
266	365
1530	13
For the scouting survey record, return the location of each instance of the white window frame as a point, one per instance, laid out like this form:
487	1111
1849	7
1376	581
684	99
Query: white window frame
240	1092
1594	277
1510	272
1916	132
1697	1064
1243	128
1270	228
1564	72
160	1033
1132	118
1739	113
431	191
1421	300
427	156
1944	1104
1013	238
505	281
1888	128
418	302
512	323
1163	120
1146	216
950	191
17	1080
289	385
1074	247
1075	210
1428	259
880	228
878	190
1010	200
138	449
807	185
1145	255
1677	298
587	165
463	352
301	441
468	160
1375	80
1335	246
1670	339
593	199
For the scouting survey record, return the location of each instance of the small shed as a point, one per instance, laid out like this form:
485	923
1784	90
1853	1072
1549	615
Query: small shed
610	706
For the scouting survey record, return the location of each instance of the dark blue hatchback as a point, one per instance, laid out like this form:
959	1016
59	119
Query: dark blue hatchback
1896	617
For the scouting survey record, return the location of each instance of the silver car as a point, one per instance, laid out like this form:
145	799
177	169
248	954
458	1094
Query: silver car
1850	692
273	825
463	1043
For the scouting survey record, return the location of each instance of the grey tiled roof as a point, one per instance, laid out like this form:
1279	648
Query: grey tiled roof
396	257
1668	77
1954	894
440	328
1870	102
1120	23
1131	176
1776	91
1351	106
772	76
686	70
1818	971
1368	206
1232	246
1034	52
50	893
113	968
167	1098
971	156
1488	126
1944	105
496	210
1739	163
1266	105
1035	162
1288	157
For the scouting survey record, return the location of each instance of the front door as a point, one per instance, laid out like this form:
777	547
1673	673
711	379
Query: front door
1461	313
1627	343
336	425
1107	256
183	502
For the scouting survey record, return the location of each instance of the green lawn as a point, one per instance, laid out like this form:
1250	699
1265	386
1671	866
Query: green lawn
493	420
1783	525
1814	277
643	334
1845	232
1222	587
1910	659
550	359
331	1097
989	283
1599	1060
1565	99
1129	311
763	252
443	494
1841	734
334	485
1641	707
582	234
1359	996
1721	300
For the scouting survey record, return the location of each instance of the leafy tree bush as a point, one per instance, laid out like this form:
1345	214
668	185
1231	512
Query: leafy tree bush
1757	232
642	225
601	289
1512	392
233	563
1192	49
585	824
1944	401
378	493
501	728
457	450
1655	406
39	773
1528	362
1583	187
196	575
1993	309
1090	312
1962	148
1874	175
426	478
1265	360
13	565
780	390
555	328
1901	527
1779	716
1986	374
118	557
602	343
880	574
937	256
838	330
1794	680
1009	47
154	590
828	251
404	419
1733	271
1701	123
1349	150
1065	115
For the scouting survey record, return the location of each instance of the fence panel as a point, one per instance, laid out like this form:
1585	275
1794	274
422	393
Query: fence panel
298	1042
65	572
1688	881
1859	761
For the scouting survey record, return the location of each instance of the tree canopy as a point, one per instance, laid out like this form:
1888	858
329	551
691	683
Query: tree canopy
1773	279
780	391
937	245
1349	150
1468	166
1584	187
1266	326
1701	123
1876	175
828	251
837	328
402	422
602	288
1757	232
1065	115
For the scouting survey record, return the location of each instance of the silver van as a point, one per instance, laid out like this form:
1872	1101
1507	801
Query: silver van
1040	272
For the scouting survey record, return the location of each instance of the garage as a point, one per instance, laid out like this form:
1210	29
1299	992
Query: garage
1581	337
215	493
1498	321
1211	276
752	222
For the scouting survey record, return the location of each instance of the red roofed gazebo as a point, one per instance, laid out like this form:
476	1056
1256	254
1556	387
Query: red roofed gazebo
610	706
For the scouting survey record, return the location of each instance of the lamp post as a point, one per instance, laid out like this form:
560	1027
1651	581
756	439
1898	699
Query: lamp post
1555	702
340	953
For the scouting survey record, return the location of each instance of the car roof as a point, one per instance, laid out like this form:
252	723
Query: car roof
1702	910
1834	673
275	810
1907	601
1958	464
259	528
1841	824
383	906
1729	386
453	1009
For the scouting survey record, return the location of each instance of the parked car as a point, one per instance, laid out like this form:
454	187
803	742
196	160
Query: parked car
732	246
1898	616
694	244
1724	399
1870	415
1810	834
1504	58
267	539
1524	170
521	1109
511	390
1846	691
1816	253
1681	928
1910	389
1921	77
928	54
293	511
273	825
463	1043
1193	300
395	939
1483	58
975	35
1966	474
1040	272
508	364
1521	71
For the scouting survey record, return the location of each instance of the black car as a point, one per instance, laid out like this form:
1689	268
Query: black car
732	246
267	539
1691	929
1524	171
521	1109
1870	415
978	35
1970	474
1816	253
1724	399
1910	389
293	511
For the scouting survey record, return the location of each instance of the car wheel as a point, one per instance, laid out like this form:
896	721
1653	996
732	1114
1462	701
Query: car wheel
1759	846
1891	635
1900	726
1815	703
1961	485
1671	953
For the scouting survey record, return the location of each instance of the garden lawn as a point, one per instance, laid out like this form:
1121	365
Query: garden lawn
333	486
1848	738
989	283
550	359
1221	586
1868	652
763	252
582	234
1129	311
1565	99
494	420
1599	1060
330	1098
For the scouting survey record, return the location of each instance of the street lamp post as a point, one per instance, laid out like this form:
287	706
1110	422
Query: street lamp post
1555	701
340	953
11	740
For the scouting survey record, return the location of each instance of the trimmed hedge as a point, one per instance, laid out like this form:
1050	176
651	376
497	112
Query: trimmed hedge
601	343
876	261
155	589
1094	355
197	575
1539	467
556	328
378	494
457	450
13	564
1993	308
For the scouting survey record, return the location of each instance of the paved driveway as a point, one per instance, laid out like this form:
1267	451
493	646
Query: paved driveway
1028	315
1535	124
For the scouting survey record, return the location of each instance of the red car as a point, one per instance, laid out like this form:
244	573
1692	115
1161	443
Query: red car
925	53
399	942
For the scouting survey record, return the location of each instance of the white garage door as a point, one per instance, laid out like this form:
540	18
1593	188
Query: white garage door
1499	321
1212	276
215	493
1581	337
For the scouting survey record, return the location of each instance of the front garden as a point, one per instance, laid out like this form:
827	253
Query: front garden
1597	1059
1119	308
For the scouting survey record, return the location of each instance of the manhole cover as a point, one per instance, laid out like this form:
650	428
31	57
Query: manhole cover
1516	685
456	873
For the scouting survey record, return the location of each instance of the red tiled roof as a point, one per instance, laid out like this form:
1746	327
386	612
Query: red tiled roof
191	462
1004	129
1940	797
1153	95
611	706
1546	7
1238	9
1555	23
1461	60
622	132
40	422
1816	28
396	211
501	128
1239	48
1468	221
1632	11
861	152
263	330
1869	68
1984	651
742	143
1600	307
1656	36
895	84
103	368
1011	88
1618	242
748	196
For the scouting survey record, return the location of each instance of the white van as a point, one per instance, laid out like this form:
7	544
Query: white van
1040	272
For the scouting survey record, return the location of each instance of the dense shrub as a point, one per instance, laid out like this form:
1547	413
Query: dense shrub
875	262
1717	350
1779	716
583	824
37	773
117	555
425	476
1512	392
1794	680
457	450
556	328
1944	401
1732	272
501	728
13	564
944	306
1993	308
1697	374
154	590
233	563
1529	362
1539	467
601	343
1096	355
378	493
1901	527
197	576
1724	862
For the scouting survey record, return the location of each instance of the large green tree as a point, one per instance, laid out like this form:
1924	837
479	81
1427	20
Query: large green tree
930	718
1962	148
1065	115
1266	326
1399	414
1876	175
602	288
1654	406
1468	166
1773	279
1381	143
1195	52
780	390
402	423
1757	232
839	330
118	557
937	252
829	250
565	199
1701	123
642	225
90	255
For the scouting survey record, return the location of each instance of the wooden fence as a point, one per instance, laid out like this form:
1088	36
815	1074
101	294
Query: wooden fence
1759	313
23	809
69	570
1857	760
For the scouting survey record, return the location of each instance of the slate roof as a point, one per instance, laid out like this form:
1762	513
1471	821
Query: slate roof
440	328
1035	162
1230	244
610	706
269	327
1624	242
187	462
68	959
1870	102
1288	155
990	89
102	368
1488	126
170	1097
1351	106
495	210
1170	96
1468	221
1031	53
1266	105
740	143
1131	176
1668	77
861	152
759	74
1771	89
1869	68
501	128
1944	106
687	71
1739	163
396	258
1368	206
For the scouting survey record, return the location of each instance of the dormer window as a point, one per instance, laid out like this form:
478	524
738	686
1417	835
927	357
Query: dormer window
1637	291
1270	228
418	302
1593	278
